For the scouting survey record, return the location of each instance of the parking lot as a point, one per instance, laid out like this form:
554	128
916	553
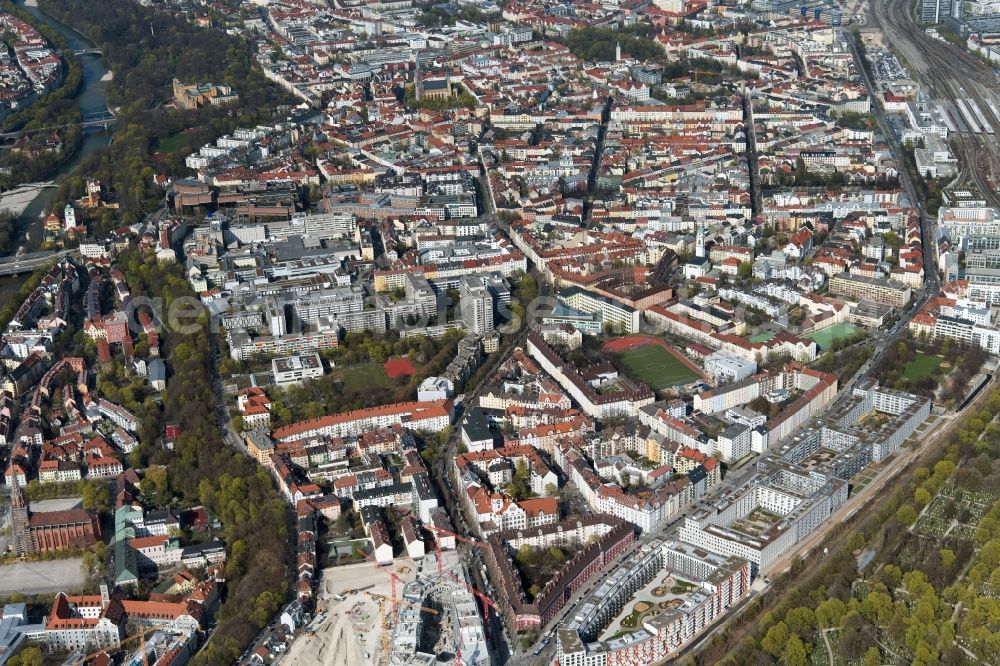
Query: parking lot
41	577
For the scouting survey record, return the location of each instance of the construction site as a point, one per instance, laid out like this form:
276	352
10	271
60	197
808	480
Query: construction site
409	612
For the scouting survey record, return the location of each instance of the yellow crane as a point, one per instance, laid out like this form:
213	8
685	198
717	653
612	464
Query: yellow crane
381	599
141	636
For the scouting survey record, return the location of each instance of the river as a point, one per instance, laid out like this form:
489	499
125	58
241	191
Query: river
91	99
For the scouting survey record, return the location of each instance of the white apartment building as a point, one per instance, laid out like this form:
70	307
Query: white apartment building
762	552
625	318
58	471
431	416
243	347
734	443
94	250
157	551
120	416
721	582
758	301
968	332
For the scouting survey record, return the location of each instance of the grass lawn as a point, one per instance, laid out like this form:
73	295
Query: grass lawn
370	375
630	621
682	586
921	366
639	611
656	366
824	339
761	337
170	143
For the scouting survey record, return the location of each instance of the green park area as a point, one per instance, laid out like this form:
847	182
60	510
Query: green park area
357	378
923	365
934	369
171	143
370	375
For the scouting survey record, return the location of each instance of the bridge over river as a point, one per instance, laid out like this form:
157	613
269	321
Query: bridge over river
100	119
28	262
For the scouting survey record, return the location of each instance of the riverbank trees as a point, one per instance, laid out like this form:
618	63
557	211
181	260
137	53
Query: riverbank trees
146	50
38	156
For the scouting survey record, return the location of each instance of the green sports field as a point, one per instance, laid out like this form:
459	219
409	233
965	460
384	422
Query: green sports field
655	366
824	339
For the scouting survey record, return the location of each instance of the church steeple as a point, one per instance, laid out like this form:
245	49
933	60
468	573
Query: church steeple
447	74
416	80
16	496
618	51
19	520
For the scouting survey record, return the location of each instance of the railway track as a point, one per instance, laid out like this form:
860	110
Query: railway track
951	74
898	22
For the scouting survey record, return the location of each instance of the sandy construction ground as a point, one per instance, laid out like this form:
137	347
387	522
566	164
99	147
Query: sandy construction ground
351	632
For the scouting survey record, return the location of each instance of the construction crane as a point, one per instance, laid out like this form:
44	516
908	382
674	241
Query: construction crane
141	635
393	577
402	602
381	599
437	541
487	602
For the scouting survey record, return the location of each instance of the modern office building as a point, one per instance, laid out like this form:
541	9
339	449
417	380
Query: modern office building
476	304
724	367
295	369
935	11
873	289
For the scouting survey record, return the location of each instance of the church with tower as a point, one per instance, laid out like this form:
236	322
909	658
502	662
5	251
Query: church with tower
46	531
